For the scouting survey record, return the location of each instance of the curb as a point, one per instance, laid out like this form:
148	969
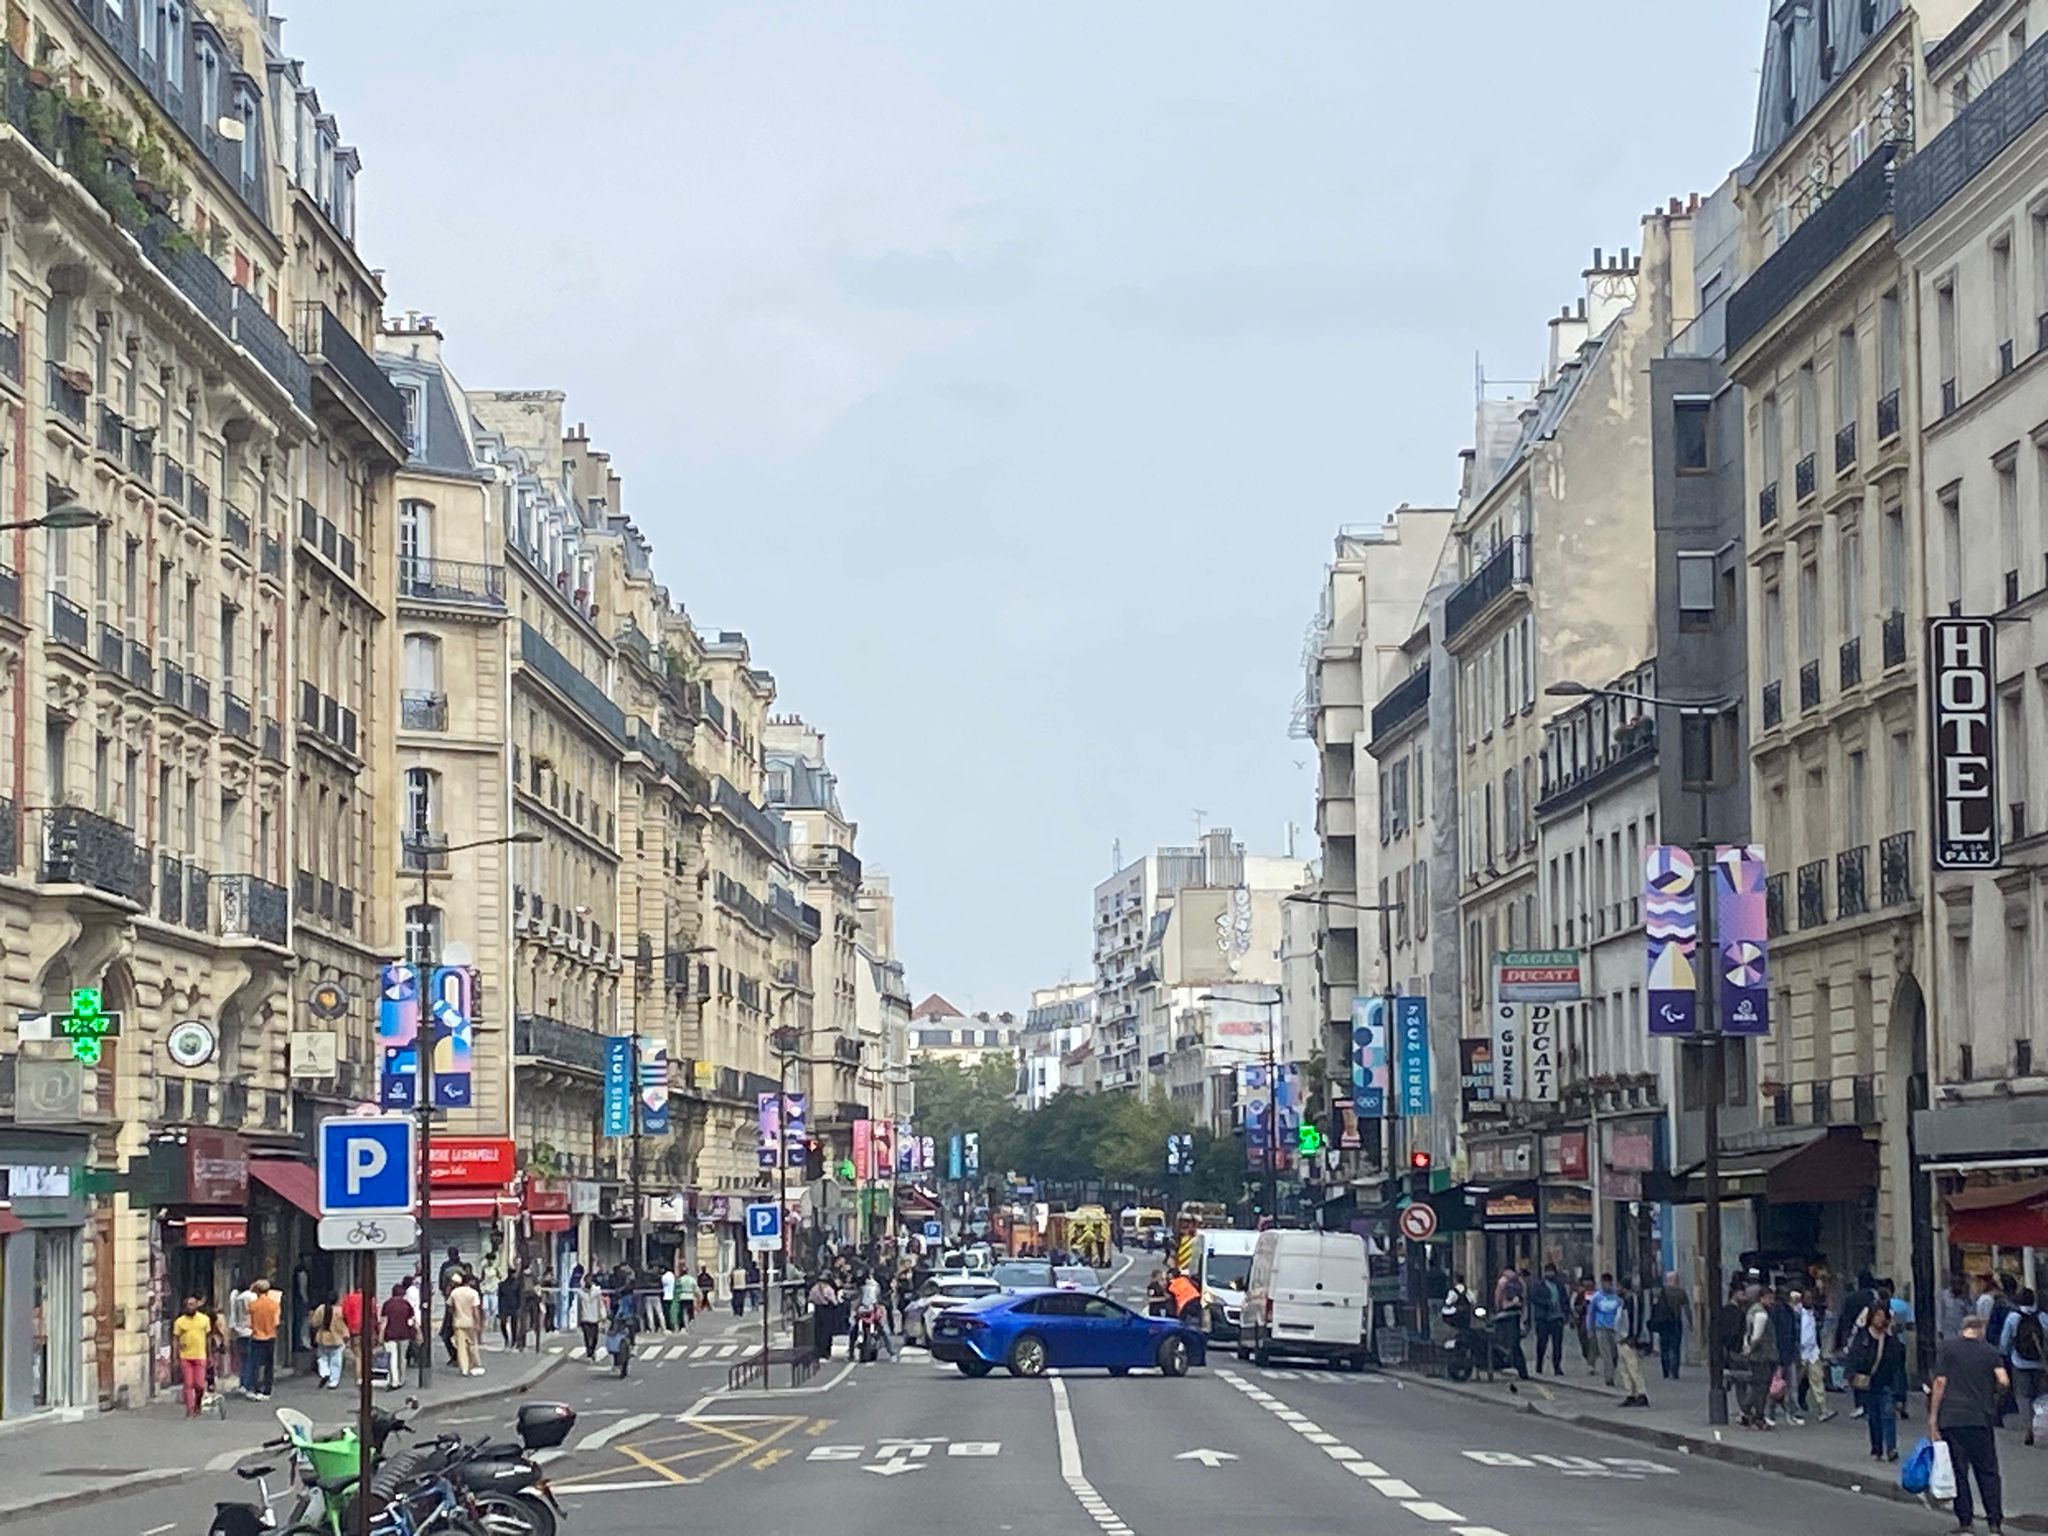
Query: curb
1737	1453
165	1476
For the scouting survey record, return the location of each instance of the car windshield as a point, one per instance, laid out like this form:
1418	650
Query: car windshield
1019	1272
957	1289
1227	1271
1076	1275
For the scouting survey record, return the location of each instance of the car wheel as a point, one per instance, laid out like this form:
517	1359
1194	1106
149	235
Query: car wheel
975	1368
1027	1356
1173	1357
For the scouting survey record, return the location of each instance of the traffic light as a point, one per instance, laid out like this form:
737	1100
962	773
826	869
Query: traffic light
1308	1139
1419	1161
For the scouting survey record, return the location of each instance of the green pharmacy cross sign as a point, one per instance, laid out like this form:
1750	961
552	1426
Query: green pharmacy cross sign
87	1024
1308	1140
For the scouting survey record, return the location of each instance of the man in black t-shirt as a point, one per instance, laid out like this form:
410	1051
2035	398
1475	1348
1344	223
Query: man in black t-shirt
1969	1381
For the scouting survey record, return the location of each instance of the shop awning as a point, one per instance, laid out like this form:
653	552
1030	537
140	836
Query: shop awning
2011	1215
292	1181
1835	1165
449	1205
10	1223
549	1221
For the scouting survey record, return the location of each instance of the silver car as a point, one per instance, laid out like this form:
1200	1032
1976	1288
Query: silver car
935	1296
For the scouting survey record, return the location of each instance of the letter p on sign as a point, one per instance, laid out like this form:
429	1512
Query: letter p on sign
366	1159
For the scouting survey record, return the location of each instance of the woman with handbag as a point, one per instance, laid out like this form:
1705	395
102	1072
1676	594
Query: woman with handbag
1877	1375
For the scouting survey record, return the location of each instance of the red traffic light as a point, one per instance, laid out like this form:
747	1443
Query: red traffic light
1419	1161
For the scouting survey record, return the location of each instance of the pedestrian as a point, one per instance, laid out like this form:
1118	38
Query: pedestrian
492	1287
1811	1368
1968	1383
1548	1304
824	1298
504	1298
465	1323
1950	1308
238	1330
352	1321
2025	1348
707	1289
1850	1318
330	1333
1786	1309
452	1270
398	1334
259	1352
1758	1360
1603	1321
192	1333
589	1314
738	1280
671	1314
1876	1363
1667	1322
419	1351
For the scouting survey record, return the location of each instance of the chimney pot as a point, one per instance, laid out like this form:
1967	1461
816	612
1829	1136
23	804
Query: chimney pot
1622	265
1598	257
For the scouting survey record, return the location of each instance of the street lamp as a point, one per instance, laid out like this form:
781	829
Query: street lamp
1272	1093
423	1053
60	519
1706	1022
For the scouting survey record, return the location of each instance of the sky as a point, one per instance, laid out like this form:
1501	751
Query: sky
1003	371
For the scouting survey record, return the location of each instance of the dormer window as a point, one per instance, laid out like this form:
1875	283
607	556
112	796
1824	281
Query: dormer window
245	109
174	45
209	88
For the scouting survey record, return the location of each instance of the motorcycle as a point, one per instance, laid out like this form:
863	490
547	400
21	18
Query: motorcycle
1471	1343
867	1335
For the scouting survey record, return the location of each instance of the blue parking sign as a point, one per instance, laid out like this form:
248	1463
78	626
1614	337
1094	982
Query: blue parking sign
368	1165
764	1228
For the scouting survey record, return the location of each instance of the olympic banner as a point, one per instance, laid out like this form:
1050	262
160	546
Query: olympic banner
1741	936
1671	921
653	1085
1369	1057
768	1138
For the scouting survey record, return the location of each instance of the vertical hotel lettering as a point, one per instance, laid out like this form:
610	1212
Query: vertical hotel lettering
1962	742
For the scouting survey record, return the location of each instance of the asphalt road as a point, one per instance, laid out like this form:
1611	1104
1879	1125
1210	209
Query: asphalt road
1230	1450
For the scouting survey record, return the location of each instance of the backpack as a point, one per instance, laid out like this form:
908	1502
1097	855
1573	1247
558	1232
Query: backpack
2028	1339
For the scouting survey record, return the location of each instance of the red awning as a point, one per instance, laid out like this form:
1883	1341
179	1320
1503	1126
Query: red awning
295	1182
10	1223
450	1206
2001	1215
550	1221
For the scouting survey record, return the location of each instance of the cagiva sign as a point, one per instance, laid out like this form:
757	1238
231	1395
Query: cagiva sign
1962	679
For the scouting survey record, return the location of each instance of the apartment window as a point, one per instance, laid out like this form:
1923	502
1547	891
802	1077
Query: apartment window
1420	888
1856	810
191	828
102	775
409	395
1898	774
415	534
1697	577
1809	611
1849	559
209	88
147	19
2007	471
1891	559
420	797
1696	747
230	642
1890	345
1511	809
423	934
2002	330
1848	377
1690	422
422	664
2012	746
1945	341
1491	846
174	44
2037	219
2015	43
1806	410
163	808
1774	633
1770	440
1951	498
1528	661
245	109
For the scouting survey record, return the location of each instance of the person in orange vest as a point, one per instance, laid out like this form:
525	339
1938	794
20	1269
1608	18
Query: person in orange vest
1183	1293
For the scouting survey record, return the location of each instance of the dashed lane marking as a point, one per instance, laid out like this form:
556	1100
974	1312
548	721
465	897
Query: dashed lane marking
1071	1470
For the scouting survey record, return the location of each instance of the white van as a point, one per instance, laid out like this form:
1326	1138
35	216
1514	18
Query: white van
1306	1296
1223	1265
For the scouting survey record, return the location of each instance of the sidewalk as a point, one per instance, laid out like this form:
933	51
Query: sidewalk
48	1464
1836	1453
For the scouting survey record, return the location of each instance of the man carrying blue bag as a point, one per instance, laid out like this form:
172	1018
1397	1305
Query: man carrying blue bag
1970	1380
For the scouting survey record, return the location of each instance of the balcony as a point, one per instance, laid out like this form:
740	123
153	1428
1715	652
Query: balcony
199	503
198	909
309	524
1888	415
1401	703
270	557
1852	887
1862	199
2002	111
422	711
170	888
252	909
846	1051
10	356
141	665
551	665
1504	569
1813	893
113	650
325	340
423	851
238	315
1767	505
1894	640
1895	869
1849	663
830	860
110	435
460	582
540	1038
235	717
234	523
273	742
1774	703
765	828
81	848
172	688
68	624
141	454
67	398
1845	446
1774	904
198	697
1805	477
172	481
1809	686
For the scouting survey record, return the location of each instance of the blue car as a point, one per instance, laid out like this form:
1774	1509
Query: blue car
1029	1332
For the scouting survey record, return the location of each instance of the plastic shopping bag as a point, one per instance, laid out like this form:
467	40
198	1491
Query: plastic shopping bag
1918	1467
1941	1482
2041	1420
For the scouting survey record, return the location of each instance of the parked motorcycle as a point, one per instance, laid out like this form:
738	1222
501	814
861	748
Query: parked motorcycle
1469	1345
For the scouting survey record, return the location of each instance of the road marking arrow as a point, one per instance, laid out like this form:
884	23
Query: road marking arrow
891	1468
1206	1457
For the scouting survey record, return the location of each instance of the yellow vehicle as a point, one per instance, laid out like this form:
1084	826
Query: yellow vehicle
1205	1214
1141	1226
1087	1235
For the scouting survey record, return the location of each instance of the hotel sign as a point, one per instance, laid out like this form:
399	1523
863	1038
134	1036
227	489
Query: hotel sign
1962	681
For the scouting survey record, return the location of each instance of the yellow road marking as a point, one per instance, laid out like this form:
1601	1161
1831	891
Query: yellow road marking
652	1465
768	1459
736	1447
819	1426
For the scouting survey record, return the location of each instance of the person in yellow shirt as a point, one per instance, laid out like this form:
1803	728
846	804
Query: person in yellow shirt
259	1364
192	1332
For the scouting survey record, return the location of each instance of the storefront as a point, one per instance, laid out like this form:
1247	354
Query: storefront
470	1198
1999	1227
1811	1201
199	1179
1633	1229
43	1357
1508	1220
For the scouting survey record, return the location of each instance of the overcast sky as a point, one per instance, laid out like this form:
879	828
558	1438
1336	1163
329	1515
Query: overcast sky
1003	370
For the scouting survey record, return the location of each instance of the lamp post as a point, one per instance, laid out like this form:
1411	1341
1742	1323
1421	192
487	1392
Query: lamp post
1707	1023
1272	1093
60	519
423	1108
643	972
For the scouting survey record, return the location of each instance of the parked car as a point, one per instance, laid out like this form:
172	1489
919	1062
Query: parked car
1223	1265
935	1296
1306	1296
1029	1332
1023	1274
1076	1277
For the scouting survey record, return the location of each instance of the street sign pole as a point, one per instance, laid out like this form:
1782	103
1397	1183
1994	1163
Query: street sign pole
366	1283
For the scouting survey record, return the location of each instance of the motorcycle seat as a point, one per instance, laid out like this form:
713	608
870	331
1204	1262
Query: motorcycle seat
500	1450
252	1473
